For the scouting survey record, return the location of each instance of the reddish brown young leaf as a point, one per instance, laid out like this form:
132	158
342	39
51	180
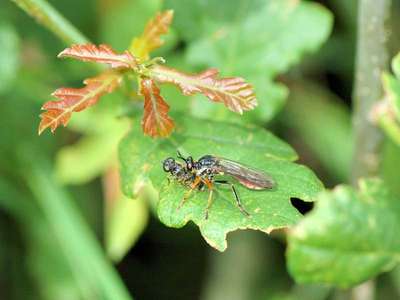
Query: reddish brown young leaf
150	38
102	54
74	100
234	92
156	121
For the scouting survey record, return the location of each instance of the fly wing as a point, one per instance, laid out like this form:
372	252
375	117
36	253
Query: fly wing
249	177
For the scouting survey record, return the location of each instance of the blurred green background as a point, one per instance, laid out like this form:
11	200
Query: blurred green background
66	232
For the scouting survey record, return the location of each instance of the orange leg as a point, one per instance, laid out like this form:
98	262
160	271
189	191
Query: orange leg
195	183
209	202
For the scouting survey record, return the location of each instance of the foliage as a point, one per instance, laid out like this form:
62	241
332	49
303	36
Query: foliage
156	121
126	219
348	237
330	117
235	93
8	56
76	240
150	64
270	209
150	38
257	40
74	100
387	111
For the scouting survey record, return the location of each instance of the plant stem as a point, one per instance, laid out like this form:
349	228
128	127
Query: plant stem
371	60
232	274
50	18
84	253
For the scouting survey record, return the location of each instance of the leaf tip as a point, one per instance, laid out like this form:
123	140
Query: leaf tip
62	53
169	13
44	123
40	129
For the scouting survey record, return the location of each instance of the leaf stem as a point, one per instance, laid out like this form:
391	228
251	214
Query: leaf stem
49	17
371	60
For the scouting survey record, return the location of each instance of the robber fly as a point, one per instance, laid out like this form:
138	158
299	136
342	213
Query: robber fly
201	173
179	172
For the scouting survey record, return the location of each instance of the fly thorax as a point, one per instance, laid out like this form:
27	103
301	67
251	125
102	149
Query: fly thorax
201	171
177	171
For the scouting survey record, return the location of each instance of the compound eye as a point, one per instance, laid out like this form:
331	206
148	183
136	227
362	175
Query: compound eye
168	164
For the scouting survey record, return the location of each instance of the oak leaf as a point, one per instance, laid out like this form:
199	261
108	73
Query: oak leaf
234	92
101	54
156	121
150	38
74	100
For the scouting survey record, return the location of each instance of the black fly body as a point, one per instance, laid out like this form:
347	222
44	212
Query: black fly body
197	174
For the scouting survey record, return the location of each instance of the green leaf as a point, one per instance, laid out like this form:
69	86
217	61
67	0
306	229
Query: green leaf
391	86
387	111
191	16
258	41
396	65
81	162
9	56
98	145
141	159
96	150
349	237
127	220
389	170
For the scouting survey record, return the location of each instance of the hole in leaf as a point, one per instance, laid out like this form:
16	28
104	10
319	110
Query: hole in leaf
302	206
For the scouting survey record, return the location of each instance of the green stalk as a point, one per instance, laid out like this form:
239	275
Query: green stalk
236	270
50	18
85	256
371	61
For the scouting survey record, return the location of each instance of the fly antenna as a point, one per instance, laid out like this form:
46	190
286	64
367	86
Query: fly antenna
179	155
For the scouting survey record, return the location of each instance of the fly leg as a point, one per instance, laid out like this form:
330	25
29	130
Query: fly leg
195	183
209	202
238	202
210	197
